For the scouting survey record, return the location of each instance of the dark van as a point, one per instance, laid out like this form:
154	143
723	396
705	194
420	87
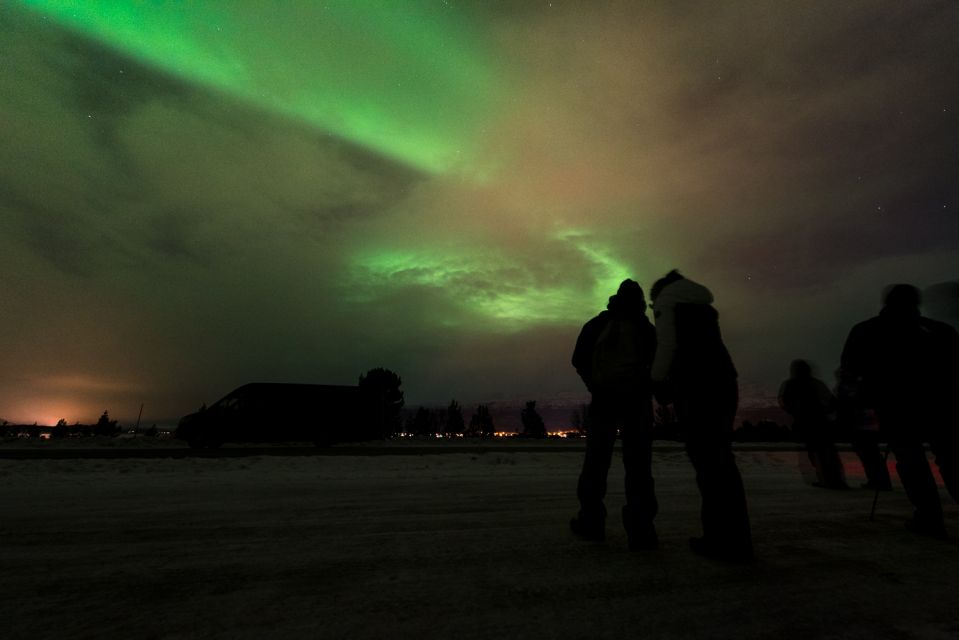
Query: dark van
276	412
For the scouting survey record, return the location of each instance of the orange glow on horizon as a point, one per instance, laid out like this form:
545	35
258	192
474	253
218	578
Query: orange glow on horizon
50	413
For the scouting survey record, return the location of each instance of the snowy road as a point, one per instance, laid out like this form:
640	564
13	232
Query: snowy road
465	545
147	449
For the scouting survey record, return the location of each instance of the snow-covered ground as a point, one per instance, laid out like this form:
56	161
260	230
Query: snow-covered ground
461	545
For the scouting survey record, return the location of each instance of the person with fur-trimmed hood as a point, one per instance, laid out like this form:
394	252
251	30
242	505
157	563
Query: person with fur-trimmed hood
613	355
693	371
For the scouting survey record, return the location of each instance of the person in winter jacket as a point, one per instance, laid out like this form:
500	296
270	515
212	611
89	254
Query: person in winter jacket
810	402
613	355
907	367
693	371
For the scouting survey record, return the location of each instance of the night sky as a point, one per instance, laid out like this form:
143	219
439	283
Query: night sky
201	194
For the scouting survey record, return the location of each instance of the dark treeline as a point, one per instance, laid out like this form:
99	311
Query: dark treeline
425	422
104	426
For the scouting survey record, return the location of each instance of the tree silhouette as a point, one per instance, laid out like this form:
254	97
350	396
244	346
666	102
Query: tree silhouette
580	419
481	424
454	419
61	430
382	402
533	425
105	426
425	423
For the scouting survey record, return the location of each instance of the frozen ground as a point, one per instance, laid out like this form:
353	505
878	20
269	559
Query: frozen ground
445	546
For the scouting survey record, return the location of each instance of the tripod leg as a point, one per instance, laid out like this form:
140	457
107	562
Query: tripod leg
875	498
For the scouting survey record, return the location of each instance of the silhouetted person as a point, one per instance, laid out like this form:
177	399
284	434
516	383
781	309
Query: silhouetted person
613	354
853	420
693	370
907	368
810	402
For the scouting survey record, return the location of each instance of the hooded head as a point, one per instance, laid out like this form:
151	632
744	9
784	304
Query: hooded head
800	369
628	297
901	301
902	296
663	282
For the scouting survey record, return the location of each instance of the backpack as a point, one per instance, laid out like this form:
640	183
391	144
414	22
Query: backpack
618	358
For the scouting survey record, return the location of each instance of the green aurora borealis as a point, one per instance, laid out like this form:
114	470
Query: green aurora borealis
406	81
398	78
513	303
198	194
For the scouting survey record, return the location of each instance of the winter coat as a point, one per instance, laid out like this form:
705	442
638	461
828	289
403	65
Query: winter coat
902	359
689	347
614	350
807	399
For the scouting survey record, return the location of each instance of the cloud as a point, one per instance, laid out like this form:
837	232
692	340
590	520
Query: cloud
189	239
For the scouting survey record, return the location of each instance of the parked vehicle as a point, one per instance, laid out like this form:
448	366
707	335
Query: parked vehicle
276	412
